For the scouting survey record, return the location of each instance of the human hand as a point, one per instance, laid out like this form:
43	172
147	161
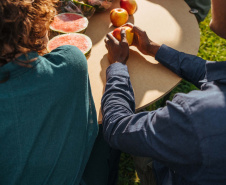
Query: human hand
117	51
142	42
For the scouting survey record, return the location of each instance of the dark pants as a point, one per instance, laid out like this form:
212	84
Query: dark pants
102	167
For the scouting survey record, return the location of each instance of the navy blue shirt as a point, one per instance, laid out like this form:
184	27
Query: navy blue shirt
187	137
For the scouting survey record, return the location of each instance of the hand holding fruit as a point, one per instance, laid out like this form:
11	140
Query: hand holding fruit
129	35
142	42
118	51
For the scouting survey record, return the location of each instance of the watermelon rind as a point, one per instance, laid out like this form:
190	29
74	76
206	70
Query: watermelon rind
82	30
85	52
100	5
87	10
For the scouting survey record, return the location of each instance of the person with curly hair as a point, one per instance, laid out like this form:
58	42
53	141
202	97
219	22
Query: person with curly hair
48	123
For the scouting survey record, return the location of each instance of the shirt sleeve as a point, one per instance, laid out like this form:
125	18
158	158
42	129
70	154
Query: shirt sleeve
188	67
165	134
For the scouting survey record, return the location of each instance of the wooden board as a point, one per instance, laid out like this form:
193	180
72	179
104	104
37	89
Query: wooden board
166	22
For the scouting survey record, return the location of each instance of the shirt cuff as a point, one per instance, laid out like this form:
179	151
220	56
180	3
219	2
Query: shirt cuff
117	69
165	54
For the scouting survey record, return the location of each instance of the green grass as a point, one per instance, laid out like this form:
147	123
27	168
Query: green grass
212	48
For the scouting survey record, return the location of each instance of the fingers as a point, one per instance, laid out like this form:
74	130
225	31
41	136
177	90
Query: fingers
123	36
140	36
117	51
111	37
135	28
138	30
110	41
107	45
106	40
128	24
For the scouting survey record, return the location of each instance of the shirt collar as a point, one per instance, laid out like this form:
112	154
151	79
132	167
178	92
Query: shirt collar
215	71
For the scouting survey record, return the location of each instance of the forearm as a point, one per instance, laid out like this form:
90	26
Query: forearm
145	133
118	100
123	129
188	67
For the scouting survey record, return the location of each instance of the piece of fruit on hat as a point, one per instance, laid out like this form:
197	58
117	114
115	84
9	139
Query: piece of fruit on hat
69	23
79	40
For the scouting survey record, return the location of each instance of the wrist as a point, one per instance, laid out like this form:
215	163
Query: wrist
118	61
117	69
122	62
153	48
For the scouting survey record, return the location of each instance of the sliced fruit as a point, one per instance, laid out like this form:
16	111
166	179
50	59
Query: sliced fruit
81	41
69	23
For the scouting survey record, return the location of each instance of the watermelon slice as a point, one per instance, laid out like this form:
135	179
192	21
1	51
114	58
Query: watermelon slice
82	41
69	23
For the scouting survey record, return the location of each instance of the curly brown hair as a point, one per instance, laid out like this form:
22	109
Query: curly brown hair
23	25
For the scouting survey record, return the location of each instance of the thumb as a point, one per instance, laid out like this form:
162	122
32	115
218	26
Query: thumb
123	35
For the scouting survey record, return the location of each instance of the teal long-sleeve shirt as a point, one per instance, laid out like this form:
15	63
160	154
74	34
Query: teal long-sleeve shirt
47	119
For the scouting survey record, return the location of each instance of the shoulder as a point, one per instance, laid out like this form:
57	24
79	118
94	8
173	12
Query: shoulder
187	104
200	100
191	102
67	55
65	64
202	108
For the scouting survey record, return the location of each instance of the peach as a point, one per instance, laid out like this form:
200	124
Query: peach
118	16
129	5
129	35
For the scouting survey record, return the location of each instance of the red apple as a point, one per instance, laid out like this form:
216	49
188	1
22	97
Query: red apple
129	35
118	16
129	5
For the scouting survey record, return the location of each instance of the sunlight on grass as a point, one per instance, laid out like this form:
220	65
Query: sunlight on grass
212	47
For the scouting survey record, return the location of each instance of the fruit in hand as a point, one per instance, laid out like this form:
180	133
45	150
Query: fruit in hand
129	35
118	16
129	5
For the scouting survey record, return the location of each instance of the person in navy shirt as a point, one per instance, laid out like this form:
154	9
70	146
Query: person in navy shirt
187	138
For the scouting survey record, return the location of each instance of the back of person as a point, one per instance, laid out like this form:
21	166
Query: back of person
47	119
48	125
207	113
184	140
212	134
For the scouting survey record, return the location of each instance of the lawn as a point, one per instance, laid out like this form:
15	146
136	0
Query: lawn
211	48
